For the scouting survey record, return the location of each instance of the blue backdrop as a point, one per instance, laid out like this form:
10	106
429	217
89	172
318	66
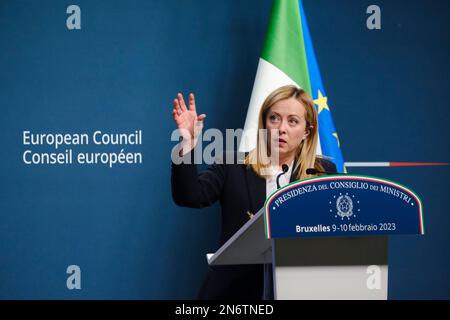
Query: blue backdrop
387	90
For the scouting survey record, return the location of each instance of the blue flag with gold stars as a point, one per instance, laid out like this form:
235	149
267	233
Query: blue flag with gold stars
329	139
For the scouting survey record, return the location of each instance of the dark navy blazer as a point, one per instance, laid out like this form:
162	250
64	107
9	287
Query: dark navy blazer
239	190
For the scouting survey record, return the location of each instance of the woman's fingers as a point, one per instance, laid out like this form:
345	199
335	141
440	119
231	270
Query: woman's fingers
191	102
181	102
176	106
175	114
179	106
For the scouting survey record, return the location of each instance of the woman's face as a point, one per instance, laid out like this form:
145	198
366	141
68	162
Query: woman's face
287	117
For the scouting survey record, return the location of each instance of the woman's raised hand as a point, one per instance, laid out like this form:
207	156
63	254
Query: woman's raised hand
187	120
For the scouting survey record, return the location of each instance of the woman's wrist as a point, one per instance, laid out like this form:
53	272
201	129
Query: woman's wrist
187	145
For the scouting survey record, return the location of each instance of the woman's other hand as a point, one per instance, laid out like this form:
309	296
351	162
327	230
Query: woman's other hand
187	121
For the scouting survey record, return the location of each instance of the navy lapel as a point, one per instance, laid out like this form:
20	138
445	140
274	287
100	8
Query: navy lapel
256	188
293	174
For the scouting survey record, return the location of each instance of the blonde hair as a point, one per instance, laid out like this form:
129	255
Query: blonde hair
305	156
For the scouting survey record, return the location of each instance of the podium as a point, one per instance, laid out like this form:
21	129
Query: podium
327	237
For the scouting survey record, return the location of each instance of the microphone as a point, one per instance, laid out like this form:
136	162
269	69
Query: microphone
285	169
315	171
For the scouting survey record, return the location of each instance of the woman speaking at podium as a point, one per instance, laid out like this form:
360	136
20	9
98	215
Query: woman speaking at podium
290	118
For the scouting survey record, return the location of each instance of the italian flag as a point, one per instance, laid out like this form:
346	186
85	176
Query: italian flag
288	58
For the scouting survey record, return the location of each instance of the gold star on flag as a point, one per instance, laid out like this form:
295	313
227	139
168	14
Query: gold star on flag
337	138
321	102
